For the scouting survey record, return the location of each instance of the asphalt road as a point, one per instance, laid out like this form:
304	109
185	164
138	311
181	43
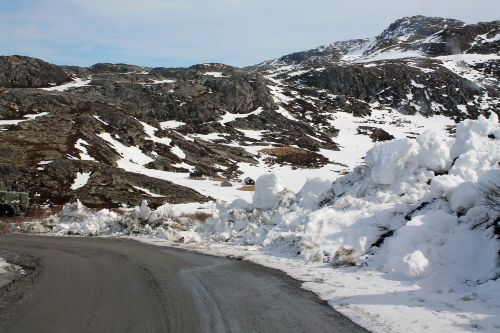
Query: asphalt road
110	285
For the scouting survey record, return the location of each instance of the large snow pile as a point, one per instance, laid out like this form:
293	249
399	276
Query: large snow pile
419	222
414	210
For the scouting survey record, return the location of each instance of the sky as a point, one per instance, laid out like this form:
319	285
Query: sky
173	33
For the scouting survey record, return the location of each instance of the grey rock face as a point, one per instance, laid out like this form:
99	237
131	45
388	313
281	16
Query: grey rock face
391	83
24	72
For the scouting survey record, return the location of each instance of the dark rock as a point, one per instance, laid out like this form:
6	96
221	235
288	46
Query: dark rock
25	72
375	133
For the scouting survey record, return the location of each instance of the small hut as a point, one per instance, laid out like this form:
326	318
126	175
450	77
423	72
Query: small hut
249	181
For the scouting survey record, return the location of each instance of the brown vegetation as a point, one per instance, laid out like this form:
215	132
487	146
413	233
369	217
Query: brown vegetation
7	224
284	151
295	156
247	188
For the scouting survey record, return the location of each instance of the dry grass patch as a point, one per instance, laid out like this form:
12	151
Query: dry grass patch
247	188
7	224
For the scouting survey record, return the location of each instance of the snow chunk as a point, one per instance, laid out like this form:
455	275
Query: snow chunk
434	152
463	197
416	264
388	161
473	134
267	191
312	192
75	218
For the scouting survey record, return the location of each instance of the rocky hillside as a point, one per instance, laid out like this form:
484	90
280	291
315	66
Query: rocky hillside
114	134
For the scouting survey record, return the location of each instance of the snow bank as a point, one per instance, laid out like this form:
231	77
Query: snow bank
162	223
76	219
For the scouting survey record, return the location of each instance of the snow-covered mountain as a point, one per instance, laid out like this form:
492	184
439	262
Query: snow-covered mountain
114	133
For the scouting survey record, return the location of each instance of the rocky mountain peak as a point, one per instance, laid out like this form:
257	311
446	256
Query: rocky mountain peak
417	27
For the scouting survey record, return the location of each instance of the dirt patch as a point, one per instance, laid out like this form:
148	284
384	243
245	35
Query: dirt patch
8	224
197	216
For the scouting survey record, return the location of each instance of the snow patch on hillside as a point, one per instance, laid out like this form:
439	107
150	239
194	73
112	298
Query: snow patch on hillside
229	117
150	132
81	180
27	117
82	145
76	83
171	124
215	74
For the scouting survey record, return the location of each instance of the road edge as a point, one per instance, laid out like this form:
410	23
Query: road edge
17	293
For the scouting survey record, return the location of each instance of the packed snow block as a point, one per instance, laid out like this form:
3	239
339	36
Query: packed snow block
345	257
313	191
476	135
267	192
390	161
434	152
144	211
